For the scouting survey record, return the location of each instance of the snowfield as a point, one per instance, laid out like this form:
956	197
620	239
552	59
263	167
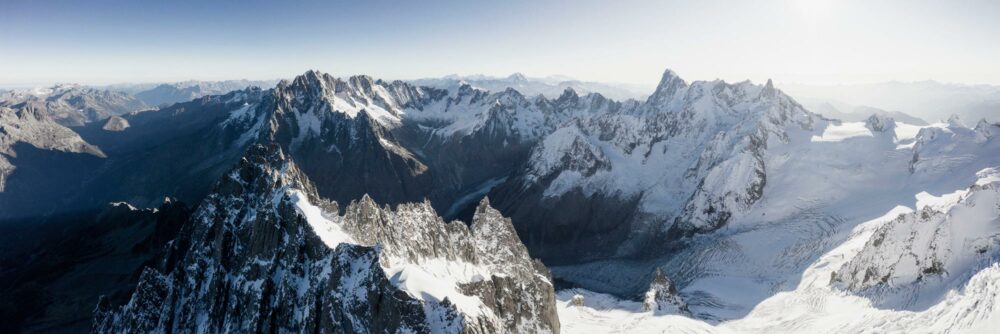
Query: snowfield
813	307
832	195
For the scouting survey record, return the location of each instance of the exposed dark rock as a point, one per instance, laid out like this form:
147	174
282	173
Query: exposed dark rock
662	298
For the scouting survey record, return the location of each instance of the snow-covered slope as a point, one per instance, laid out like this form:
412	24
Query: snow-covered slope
954	235
683	162
821	184
910	261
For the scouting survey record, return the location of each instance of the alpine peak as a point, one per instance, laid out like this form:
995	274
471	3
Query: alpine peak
668	87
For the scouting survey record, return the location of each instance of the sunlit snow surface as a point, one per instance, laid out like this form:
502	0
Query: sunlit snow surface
844	131
329	231
430	280
769	270
812	307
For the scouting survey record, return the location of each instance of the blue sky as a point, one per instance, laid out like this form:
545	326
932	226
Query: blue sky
800	41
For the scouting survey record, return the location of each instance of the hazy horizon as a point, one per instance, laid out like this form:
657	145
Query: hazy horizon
789	41
651	85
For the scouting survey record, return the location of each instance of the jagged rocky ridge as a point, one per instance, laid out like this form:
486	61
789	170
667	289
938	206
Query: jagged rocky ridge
260	256
662	298
576	169
678	164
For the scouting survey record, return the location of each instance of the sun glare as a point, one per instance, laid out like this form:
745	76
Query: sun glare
814	9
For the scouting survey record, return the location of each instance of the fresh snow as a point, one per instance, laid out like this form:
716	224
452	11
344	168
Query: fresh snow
843	131
328	230
828	188
431	280
434	280
816	305
603	313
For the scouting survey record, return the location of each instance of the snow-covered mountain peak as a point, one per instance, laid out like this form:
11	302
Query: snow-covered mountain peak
985	130
316	91
517	77
955	120
668	87
466	89
769	91
568	93
879	123
723	104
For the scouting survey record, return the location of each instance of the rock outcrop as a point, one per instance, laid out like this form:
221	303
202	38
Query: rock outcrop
662	298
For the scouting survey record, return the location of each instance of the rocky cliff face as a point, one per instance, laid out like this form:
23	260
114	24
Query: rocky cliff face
947	147
340	131
265	253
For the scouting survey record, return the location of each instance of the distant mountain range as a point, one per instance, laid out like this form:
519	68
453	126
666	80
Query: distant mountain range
72	105
929	100
850	113
550	87
170	93
326	204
